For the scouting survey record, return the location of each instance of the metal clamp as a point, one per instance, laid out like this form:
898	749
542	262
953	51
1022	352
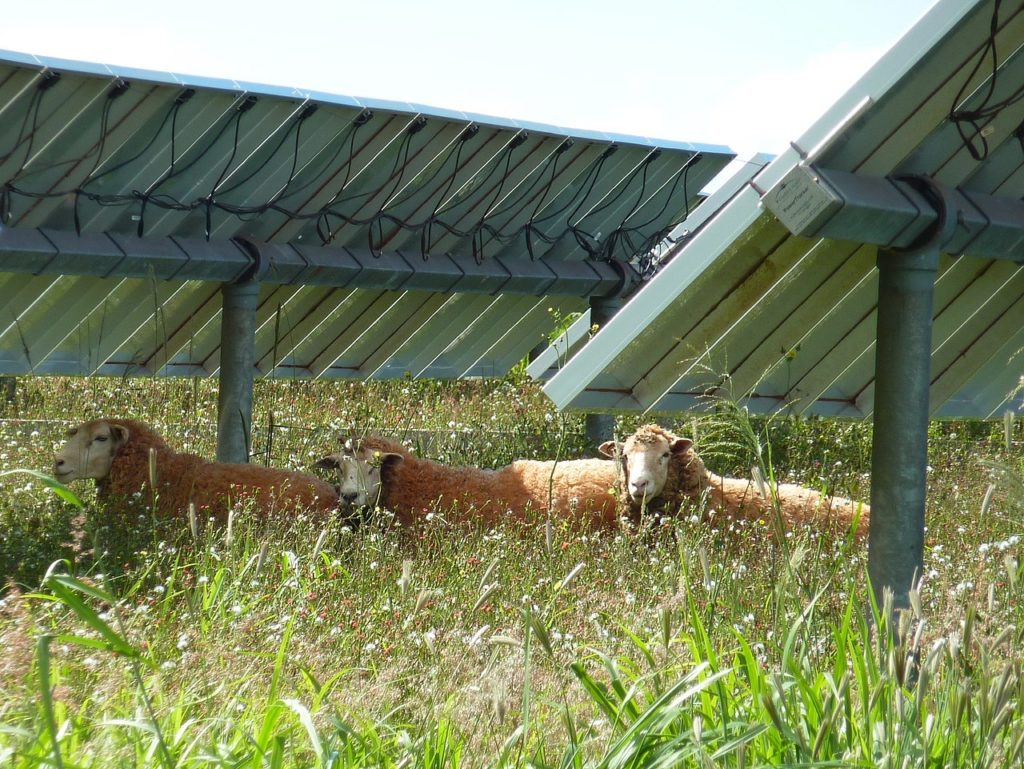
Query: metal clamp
259	266
941	230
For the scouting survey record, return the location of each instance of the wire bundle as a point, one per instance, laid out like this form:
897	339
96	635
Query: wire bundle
556	213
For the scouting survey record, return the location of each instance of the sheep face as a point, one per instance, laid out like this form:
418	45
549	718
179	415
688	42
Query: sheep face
359	474
89	451
645	459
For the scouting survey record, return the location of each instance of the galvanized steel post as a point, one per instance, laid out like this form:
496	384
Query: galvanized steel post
899	454
237	370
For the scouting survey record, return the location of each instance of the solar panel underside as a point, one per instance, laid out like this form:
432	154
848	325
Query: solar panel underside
145	157
748	311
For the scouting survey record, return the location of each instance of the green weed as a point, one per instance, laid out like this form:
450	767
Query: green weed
158	643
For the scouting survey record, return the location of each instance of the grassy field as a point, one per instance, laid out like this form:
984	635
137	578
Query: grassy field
140	642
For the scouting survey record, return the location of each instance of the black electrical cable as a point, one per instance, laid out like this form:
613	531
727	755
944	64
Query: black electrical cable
295	126
590	179
119	88
102	143
651	241
425	230
403	152
145	196
325	165
476	240
321	214
168	115
482	226
589	182
552	163
398	168
499	209
681	175
33	113
211	195
348	169
35	106
974	117
27	173
615	235
585	239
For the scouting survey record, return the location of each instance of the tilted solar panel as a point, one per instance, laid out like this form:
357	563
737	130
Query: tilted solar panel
873	268
787	322
379	231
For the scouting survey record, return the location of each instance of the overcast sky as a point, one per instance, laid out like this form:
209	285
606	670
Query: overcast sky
751	74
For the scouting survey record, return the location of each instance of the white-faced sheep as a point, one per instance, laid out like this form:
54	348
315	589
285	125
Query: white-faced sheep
116	453
358	475
662	472
580	490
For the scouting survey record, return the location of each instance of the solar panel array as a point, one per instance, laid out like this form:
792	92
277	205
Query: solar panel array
752	312
391	239
545	364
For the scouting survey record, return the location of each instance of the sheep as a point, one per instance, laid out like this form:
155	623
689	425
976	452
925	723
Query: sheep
359	480
582	490
662	471
653	460
116	454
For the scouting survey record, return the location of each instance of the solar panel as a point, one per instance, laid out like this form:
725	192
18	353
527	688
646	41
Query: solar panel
729	182
873	268
785	321
389	239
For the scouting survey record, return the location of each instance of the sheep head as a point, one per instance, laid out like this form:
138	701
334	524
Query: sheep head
89	451
359	473
645	458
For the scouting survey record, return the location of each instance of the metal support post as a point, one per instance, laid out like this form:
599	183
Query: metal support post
899	454
599	428
237	370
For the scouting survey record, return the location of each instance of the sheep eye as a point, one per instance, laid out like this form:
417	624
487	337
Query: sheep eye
101	438
665	455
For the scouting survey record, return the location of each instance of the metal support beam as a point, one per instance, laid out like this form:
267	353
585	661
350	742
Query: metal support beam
896	212
237	370
899	452
53	252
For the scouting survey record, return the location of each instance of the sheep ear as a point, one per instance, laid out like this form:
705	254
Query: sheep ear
680	445
120	434
611	449
390	459
331	462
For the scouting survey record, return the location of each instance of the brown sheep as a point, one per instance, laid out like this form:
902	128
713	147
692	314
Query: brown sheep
116	453
662	471
581	489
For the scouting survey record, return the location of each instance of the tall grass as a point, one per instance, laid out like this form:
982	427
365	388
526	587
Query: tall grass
298	643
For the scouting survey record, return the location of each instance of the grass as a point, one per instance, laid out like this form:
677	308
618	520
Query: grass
138	642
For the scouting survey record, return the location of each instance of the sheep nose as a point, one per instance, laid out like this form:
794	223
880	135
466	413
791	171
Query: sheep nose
58	464
640	488
350	497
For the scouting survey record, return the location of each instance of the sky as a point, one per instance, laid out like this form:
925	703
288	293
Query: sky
750	74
